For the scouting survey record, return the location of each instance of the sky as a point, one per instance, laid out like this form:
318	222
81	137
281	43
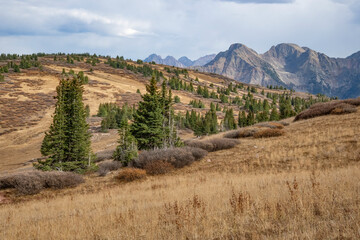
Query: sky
193	28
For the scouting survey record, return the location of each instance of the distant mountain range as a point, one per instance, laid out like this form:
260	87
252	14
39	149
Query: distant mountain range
291	66
285	64
181	62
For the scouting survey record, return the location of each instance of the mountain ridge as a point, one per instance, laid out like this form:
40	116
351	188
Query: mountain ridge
291	66
181	62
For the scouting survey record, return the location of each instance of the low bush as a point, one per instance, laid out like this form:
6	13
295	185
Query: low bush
266	133
33	182
343	108
104	155
242	133
223	143
198	153
158	167
178	157
106	167
214	144
205	145
333	107
131	174
272	125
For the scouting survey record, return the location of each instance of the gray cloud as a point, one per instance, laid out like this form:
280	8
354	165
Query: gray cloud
138	28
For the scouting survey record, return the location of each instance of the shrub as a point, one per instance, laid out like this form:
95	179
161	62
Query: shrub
343	108
333	107
103	155
158	167
131	174
205	145
242	133
223	143
282	123
266	133
198	153
178	157
352	101
272	125
214	144
61	180
108	166
34	182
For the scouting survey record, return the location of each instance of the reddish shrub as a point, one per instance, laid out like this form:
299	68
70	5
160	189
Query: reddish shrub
242	133
333	107
266	133
158	167
131	174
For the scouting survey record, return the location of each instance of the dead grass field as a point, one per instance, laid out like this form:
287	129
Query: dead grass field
302	185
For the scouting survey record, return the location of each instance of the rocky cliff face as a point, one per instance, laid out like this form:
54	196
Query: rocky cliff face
291	66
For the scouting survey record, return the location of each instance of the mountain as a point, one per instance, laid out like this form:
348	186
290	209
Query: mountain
203	60
169	60
186	61
181	62
291	66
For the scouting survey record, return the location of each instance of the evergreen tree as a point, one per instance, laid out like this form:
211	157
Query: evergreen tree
148	119
242	121
274	115
67	143
126	151
229	120
250	119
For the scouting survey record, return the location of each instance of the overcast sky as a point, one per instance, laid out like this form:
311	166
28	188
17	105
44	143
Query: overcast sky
137	28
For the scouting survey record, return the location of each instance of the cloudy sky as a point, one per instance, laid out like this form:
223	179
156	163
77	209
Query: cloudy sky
192	28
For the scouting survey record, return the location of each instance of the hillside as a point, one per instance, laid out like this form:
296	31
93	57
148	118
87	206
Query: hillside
27	102
291	66
303	184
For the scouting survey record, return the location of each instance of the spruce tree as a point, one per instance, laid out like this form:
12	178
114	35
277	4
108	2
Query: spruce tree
67	143
229	120
274	115
148	119
126	151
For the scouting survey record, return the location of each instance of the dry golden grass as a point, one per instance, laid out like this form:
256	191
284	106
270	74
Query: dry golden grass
303	185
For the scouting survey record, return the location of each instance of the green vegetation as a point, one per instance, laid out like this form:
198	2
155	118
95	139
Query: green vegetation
67	144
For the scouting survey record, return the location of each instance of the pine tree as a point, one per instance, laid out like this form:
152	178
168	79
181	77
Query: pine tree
67	143
229	120
242	121
127	150
274	115
148	119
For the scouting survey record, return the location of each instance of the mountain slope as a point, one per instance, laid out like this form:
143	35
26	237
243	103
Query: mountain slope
291	66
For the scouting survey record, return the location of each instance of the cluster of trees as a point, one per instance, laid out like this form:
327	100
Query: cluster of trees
114	116
202	124
177	71
28	61
197	104
176	84
145	69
